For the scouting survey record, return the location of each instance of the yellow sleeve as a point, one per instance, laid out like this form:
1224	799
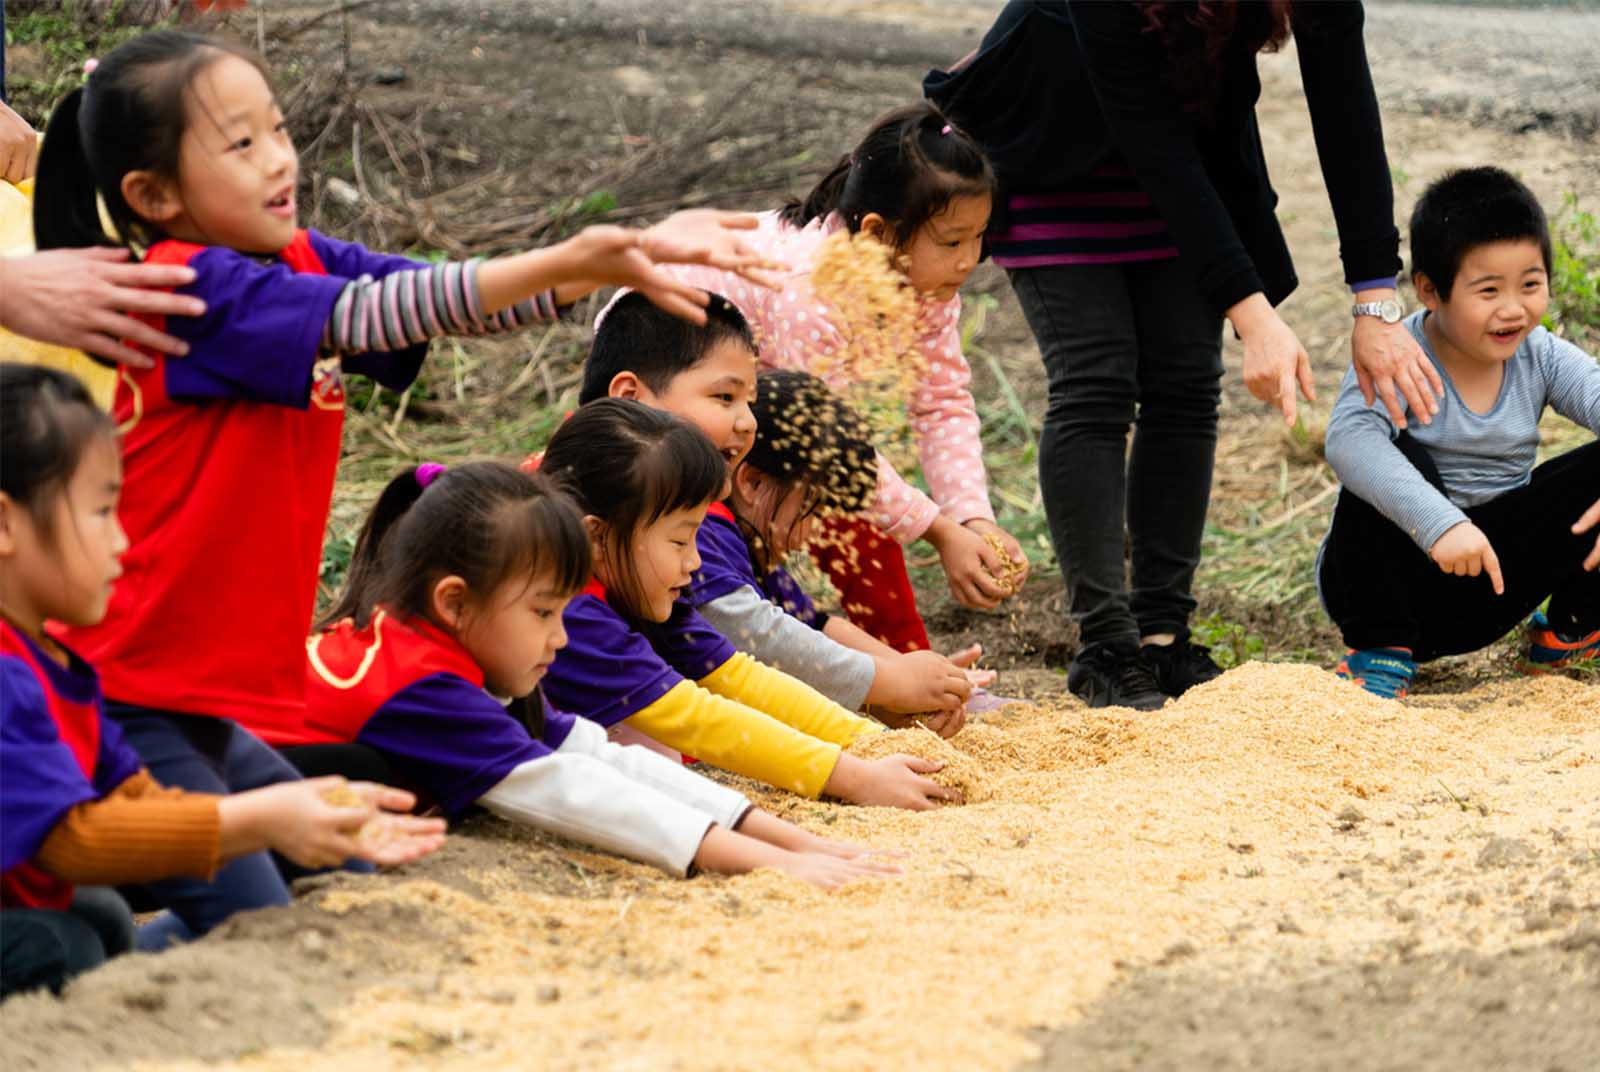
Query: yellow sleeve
730	735
789	700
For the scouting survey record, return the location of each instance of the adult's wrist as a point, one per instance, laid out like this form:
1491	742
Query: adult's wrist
1250	313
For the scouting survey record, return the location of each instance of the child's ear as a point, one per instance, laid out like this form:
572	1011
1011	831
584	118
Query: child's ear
151	196
747	483
596	529
1427	293
625	385
10	513
449	601
877	228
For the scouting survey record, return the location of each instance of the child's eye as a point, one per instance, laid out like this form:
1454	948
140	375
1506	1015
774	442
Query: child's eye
242	144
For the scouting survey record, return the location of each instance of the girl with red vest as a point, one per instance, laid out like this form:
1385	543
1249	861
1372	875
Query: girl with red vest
454	601
230	451
79	805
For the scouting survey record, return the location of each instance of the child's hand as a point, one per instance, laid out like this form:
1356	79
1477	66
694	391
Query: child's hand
298	820
894	781
970	564
604	255
709	236
967	659
390	840
831	872
1590	519
848	850
947	723
1465	551
921	681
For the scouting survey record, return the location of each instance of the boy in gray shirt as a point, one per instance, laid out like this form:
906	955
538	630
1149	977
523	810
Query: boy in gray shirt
1445	535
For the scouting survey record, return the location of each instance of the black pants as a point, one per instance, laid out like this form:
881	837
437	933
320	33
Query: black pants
44	948
1126	345
1385	592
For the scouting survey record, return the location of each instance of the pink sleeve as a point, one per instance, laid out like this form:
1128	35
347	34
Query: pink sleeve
945	421
901	510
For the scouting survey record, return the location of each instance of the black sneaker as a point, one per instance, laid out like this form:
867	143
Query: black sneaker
1105	676
1180	666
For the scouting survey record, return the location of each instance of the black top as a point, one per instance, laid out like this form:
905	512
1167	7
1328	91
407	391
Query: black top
1057	86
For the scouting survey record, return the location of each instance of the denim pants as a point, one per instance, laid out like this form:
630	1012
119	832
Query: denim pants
1125	346
40	947
205	755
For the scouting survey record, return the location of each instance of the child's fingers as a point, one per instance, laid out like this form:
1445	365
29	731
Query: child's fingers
1491	563
737	221
981	678
676	304
920	765
967	656
384	796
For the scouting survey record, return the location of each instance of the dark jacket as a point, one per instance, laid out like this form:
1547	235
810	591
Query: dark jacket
1059	85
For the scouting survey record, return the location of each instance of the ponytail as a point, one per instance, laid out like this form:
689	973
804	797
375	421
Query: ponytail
356	599
908	168
66	210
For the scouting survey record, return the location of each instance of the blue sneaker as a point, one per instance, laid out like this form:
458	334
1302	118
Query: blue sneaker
1385	672
1551	650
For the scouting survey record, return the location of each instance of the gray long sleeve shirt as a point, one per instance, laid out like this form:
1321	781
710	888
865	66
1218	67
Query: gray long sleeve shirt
1479	455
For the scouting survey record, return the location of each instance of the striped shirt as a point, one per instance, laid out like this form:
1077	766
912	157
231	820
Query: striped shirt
409	307
1104	218
1479	455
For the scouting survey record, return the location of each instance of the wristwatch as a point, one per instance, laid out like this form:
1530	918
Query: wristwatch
1389	310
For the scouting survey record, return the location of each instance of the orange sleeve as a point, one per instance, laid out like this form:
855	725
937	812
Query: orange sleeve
138	832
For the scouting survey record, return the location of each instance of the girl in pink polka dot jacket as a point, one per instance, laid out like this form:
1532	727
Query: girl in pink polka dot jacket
922	187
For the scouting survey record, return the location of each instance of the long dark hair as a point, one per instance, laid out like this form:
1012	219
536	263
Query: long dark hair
484	522
629	465
47	421
910	165
809	438
129	116
1198	34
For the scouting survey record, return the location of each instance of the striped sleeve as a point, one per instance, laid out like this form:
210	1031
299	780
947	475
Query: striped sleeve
408	307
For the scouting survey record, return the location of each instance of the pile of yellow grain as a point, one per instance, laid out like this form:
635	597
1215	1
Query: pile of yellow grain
960	772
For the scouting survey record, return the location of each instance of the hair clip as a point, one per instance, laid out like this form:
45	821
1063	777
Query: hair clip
89	65
428	472
944	130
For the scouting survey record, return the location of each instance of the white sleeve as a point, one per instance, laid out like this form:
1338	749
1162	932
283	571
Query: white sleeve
580	797
645	767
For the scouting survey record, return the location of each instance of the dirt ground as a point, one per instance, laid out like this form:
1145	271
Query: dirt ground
1278	873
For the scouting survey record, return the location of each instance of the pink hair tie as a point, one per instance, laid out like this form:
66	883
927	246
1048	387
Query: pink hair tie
89	65
945	130
428	472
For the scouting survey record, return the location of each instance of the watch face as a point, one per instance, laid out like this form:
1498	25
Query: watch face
1390	311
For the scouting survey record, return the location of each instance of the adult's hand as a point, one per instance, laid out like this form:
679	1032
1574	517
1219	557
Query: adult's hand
1274	360
1390	365
19	146
82	298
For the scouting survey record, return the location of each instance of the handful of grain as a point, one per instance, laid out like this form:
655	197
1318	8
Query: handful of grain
1013	573
374	831
960	771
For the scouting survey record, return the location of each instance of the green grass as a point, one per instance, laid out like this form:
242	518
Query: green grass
1575	275
68	32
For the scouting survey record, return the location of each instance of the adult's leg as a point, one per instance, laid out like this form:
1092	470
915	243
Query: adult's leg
42	948
1174	441
1082	318
868	569
192	752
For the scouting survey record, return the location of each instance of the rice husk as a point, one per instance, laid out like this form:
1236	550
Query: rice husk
960	772
1012	571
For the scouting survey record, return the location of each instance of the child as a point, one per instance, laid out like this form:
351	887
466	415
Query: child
706	374
79	806
812	458
1445	536
922	187
639	654
230	451
455	597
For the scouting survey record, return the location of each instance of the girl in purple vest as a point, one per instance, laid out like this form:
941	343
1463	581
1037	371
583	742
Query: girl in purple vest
79	810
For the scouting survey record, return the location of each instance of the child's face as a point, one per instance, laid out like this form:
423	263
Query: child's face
945	250
67	576
665	559
1500	294
715	397
774	512
236	165
515	635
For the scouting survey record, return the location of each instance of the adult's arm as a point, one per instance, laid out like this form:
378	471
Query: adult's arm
1349	135
83	298
19	144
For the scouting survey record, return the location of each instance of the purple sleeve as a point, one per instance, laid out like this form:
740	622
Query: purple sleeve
783	590
724	562
557	725
259	336
689	644
608	671
348	261
117	761
40	779
450	738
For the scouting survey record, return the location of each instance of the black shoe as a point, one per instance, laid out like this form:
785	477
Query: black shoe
1105	676
1179	666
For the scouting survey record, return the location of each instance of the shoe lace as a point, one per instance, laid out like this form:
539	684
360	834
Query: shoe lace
1135	676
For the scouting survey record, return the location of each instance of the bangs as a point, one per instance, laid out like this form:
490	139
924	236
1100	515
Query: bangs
683	472
543	537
